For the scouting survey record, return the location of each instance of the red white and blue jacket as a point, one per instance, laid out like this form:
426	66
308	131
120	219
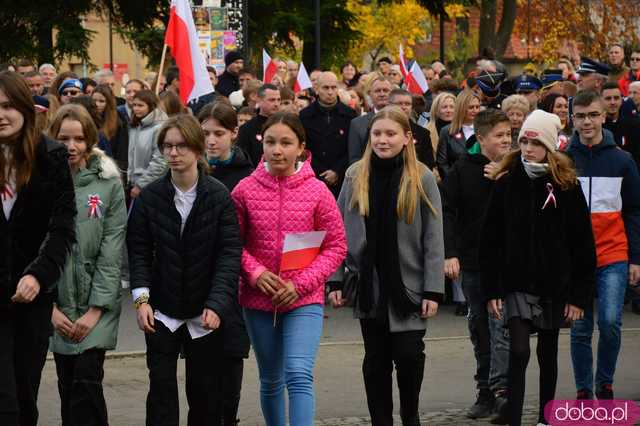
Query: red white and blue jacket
611	185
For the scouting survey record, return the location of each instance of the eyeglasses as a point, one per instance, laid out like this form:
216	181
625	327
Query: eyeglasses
70	93
181	148
590	115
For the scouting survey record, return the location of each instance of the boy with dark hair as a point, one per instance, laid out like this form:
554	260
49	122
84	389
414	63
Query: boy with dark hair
611	185
466	190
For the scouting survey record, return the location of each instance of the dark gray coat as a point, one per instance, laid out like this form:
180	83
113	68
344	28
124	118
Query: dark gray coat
420	245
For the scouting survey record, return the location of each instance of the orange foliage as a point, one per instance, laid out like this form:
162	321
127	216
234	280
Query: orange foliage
591	26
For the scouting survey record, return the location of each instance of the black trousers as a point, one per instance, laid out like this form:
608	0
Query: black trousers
80	386
24	333
231	386
203	362
383	349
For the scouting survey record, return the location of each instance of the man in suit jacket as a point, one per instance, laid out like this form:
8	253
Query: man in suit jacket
379	90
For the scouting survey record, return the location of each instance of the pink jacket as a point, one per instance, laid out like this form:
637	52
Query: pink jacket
269	207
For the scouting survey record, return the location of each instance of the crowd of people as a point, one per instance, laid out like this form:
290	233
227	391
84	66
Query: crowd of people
516	197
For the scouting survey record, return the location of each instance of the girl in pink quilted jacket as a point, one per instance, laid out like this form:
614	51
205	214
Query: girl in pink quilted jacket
283	303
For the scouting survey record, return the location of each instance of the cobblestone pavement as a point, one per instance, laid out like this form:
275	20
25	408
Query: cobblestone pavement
447	390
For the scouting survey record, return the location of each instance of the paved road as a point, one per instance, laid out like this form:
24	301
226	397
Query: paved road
447	390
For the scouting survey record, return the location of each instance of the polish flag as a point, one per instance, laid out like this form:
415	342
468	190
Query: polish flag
300	249
182	39
403	63
302	80
269	67
415	82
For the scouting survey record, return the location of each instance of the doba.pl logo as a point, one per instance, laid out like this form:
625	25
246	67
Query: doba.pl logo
592	412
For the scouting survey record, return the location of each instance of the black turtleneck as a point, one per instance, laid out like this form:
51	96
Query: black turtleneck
382	240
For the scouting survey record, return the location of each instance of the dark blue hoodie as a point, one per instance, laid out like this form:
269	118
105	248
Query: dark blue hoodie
611	185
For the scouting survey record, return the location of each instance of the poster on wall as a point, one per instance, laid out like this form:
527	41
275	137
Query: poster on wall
201	18
220	28
204	44
218	17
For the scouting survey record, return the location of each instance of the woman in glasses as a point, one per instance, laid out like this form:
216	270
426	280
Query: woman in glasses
184	257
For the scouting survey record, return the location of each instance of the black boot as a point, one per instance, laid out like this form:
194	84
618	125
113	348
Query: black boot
483	406
500	408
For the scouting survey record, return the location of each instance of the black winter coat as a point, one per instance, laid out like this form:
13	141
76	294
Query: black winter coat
189	272
120	146
465	195
327	132
450	148
250	138
626	133
544	252
231	174
40	232
424	148
227	84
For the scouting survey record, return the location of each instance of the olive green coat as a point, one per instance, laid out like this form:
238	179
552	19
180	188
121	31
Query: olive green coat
91	276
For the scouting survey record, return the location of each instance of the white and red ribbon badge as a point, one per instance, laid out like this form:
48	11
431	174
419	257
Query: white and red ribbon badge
95	206
550	198
7	193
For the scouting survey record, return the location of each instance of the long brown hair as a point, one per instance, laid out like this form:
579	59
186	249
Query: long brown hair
110	120
171	104
23	149
561	168
410	183
149	98
75	112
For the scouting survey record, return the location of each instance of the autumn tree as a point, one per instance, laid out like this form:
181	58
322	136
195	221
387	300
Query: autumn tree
592	26
385	26
494	35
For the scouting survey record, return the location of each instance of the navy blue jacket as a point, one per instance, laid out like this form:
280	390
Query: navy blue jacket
611	185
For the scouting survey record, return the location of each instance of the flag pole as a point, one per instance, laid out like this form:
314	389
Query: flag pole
164	53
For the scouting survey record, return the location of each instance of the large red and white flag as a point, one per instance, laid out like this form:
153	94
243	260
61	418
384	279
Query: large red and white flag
182	39
302	80
403	63
301	249
269	67
415	81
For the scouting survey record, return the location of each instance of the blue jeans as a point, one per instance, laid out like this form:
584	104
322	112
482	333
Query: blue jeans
286	354
488	335
611	283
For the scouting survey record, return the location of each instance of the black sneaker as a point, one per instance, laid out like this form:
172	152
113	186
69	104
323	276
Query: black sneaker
500	409
483	405
605	392
584	394
635	308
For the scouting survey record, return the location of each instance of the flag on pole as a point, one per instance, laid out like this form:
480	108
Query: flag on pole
182	39
269	67
302	80
415	82
403	63
300	249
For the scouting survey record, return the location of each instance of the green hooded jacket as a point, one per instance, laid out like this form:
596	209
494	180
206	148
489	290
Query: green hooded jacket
91	276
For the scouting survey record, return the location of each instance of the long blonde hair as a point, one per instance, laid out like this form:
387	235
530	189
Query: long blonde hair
561	168
410	182
463	100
